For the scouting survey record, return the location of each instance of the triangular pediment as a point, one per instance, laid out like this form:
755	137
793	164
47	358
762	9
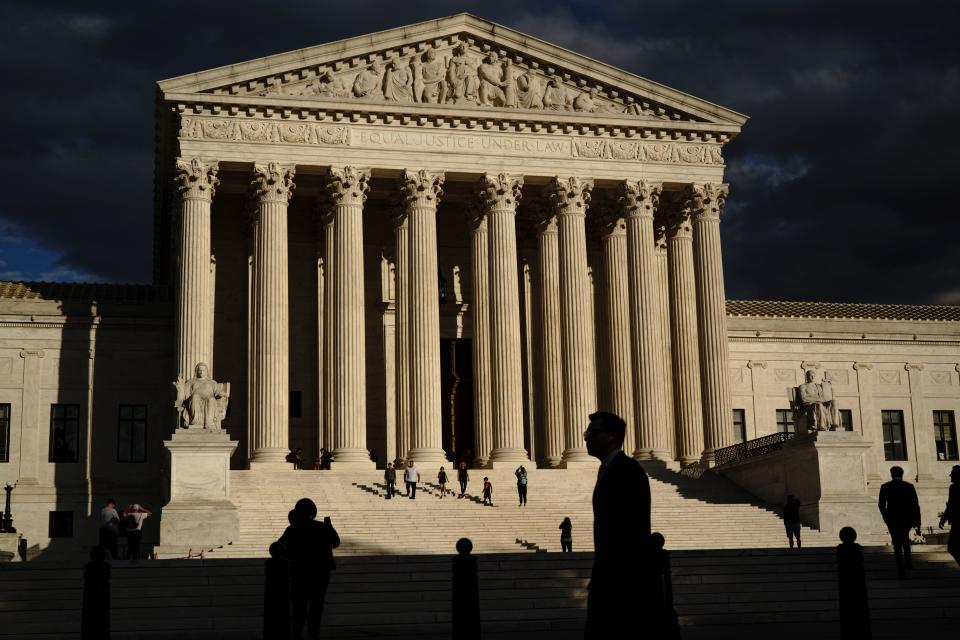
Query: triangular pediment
460	62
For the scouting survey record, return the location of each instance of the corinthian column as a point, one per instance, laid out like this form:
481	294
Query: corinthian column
683	327
639	199
273	186
499	195
480	313
422	190
571	197
402	342
619	375
197	180
551	351
662	316
348	188
706	201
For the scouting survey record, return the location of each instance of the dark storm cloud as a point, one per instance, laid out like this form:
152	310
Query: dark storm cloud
843	175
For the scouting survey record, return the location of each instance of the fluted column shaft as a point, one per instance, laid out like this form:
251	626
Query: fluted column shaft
499	195
551	350
348	188
706	203
667	430
683	328
617	304
638	200
571	197
328	363
422	190
197	181
402	341
273	185
480	311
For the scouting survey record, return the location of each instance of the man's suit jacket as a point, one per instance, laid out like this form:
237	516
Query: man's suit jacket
899	505
621	523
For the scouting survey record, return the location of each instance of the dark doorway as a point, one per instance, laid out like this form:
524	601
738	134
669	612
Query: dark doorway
457	395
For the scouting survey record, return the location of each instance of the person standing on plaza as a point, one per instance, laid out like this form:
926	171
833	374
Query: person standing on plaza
442	481
521	474
566	536
952	514
791	519
109	519
390	479
135	514
622	578
411	476
487	491
463	477
309	546
901	511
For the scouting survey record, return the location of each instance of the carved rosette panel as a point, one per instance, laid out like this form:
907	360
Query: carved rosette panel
197	178
706	201
348	185
655	152
570	195
421	188
500	191
638	198
273	182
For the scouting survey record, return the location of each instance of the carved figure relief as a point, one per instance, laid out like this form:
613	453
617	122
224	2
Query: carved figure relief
428	74
367	84
398	82
201	401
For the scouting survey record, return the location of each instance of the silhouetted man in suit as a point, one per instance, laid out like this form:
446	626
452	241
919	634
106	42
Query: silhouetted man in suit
622	578
310	546
901	511
952	514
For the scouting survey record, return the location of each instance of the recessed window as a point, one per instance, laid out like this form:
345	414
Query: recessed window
4	433
785	421
846	419
894	443
945	435
61	524
64	432
739	426
132	433
296	404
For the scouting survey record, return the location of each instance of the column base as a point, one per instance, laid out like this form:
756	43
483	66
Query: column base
578	458
481	463
425	458
352	465
709	457
498	457
270	457
353	457
553	462
643	454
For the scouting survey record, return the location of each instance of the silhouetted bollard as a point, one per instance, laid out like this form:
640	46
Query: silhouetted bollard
466	594
667	624
276	594
95	617
852	588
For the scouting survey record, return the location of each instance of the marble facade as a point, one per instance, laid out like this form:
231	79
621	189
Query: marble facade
449	235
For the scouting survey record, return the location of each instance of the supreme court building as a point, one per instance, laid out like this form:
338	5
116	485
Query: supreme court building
444	237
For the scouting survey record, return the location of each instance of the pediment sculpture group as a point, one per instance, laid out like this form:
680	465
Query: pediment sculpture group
460	79
814	404
201	401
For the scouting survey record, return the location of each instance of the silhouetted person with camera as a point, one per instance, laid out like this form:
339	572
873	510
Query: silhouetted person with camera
310	546
901	511
276	593
952	514
852	588
791	519
622	578
95	616
466	594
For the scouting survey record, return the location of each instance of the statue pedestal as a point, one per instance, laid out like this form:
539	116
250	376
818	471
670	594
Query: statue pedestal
825	470
10	547
199	515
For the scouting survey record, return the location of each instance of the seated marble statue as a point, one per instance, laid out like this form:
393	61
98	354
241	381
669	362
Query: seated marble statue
201	401
816	400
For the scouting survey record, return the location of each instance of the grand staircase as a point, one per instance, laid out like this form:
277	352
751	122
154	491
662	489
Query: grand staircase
692	513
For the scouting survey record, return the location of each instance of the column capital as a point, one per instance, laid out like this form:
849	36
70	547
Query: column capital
860	366
570	195
754	364
914	366
705	201
540	213
500	191
638	198
348	185
476	214
197	178
421	188
273	182
606	217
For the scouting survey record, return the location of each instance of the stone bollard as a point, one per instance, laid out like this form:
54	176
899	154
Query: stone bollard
276	594
667	624
852	588
95	616
466	594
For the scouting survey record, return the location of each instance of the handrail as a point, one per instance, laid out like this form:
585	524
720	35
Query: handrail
751	448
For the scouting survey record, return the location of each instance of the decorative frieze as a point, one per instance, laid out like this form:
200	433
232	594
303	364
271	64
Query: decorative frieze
258	130
656	152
